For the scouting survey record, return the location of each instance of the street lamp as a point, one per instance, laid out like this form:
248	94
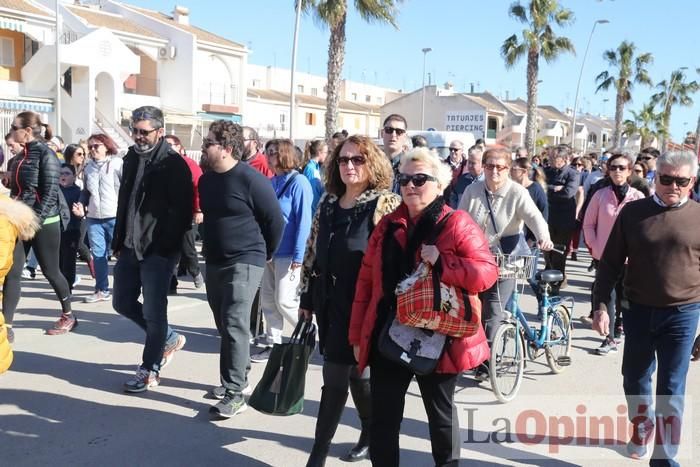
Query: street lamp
422	106
292	84
578	85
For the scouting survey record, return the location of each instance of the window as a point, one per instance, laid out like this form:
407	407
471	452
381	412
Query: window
310	118
368	98
354	96
314	91
256	83
380	100
357	123
300	88
491	127
7	52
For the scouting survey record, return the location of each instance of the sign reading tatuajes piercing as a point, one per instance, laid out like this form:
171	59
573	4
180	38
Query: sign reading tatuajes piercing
471	121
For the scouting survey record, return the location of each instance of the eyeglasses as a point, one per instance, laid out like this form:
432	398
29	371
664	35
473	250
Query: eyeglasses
645	158
79	153
615	167
496	167
207	143
455	149
638	171
272	152
356	160
141	132
681	182
94	147
576	165
417	179
390	129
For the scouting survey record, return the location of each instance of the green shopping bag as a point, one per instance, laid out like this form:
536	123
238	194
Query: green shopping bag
281	388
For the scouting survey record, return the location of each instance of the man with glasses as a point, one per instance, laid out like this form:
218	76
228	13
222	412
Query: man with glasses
235	198
154	211
469	171
562	184
657	238
394	136
649	156
456	157
252	155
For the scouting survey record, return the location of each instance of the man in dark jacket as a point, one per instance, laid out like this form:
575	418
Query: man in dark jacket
154	211
562	183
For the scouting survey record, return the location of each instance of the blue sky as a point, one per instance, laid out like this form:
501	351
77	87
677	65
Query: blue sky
465	36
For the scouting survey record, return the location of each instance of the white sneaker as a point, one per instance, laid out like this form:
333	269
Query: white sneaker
77	281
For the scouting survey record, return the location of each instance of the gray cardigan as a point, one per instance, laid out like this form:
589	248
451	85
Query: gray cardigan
512	206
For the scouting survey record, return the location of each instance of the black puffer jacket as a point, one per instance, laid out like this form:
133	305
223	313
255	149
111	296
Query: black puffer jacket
35	180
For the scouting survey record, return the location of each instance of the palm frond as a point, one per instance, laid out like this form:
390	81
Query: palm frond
379	11
518	11
513	50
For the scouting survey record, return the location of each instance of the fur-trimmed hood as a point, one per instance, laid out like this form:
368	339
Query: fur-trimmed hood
21	216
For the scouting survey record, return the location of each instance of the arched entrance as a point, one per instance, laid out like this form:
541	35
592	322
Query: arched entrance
105	105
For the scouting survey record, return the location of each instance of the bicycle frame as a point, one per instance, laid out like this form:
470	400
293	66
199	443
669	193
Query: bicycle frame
537	337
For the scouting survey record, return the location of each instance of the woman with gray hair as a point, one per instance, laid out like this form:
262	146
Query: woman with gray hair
421	229
603	209
501	207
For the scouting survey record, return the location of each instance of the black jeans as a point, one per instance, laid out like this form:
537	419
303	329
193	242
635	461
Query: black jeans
230	292
150	276
552	259
338	375
389	383
70	240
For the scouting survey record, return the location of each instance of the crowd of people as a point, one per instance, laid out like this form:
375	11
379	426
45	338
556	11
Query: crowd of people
328	232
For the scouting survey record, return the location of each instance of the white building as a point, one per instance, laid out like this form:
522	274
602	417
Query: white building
116	57
269	98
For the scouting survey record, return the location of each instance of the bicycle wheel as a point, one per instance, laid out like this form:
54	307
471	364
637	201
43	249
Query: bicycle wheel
507	361
559	345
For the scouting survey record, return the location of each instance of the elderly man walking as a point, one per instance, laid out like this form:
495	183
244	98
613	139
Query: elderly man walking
658	237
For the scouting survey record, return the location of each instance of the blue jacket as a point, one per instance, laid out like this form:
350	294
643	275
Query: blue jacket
312	171
295	203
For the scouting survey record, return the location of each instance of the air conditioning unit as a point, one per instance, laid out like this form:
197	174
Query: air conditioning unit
167	53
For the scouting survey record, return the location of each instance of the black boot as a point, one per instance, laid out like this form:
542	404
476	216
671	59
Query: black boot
361	395
329	412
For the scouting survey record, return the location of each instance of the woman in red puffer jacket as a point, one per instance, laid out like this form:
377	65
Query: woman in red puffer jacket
395	248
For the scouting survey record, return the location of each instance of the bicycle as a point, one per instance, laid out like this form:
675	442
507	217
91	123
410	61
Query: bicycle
515	335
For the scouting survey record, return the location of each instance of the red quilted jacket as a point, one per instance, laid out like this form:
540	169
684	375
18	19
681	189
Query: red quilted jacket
466	263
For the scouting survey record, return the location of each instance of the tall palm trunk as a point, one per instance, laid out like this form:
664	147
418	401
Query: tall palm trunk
666	123
336	58
697	137
531	124
619	111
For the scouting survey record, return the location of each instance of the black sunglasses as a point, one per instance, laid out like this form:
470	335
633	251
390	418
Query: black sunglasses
93	146
140	132
455	149
645	158
391	129
356	160
680	181
614	167
417	179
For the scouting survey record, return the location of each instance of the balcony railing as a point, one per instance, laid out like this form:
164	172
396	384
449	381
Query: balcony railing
218	93
136	84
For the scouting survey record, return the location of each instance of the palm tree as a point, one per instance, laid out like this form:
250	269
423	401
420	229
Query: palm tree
538	40
646	123
333	14
674	92
630	69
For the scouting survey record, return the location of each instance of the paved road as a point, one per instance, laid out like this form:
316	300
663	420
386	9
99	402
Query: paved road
62	402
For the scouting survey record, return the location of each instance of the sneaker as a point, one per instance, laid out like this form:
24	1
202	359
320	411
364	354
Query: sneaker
143	380
28	274
232	404
619	332
608	346
99	296
199	281
65	324
76	282
170	349
587	320
10	335
482	373
574	256
641	435
219	392
262	356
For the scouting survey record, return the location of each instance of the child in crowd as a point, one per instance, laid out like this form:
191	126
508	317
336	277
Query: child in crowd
70	238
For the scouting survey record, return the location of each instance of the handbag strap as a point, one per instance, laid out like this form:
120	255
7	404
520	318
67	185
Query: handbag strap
437	268
430	240
493	218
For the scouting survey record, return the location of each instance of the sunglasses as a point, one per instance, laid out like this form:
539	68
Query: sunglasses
417	179
576	165
207	143
645	158
614	167
93	146
496	167
79	153
455	149
390	129
140	132
638	171
356	160
682	182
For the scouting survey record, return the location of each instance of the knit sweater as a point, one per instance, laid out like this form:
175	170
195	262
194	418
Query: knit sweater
662	248
512	206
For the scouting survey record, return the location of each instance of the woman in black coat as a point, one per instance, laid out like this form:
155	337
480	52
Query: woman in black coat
357	196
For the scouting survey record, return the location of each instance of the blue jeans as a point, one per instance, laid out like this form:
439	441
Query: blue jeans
152	275
660	337
100	235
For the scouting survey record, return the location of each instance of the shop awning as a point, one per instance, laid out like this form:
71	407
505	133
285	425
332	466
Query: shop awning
11	24
19	105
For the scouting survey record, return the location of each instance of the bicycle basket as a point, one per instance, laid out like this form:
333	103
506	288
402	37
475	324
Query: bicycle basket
515	266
